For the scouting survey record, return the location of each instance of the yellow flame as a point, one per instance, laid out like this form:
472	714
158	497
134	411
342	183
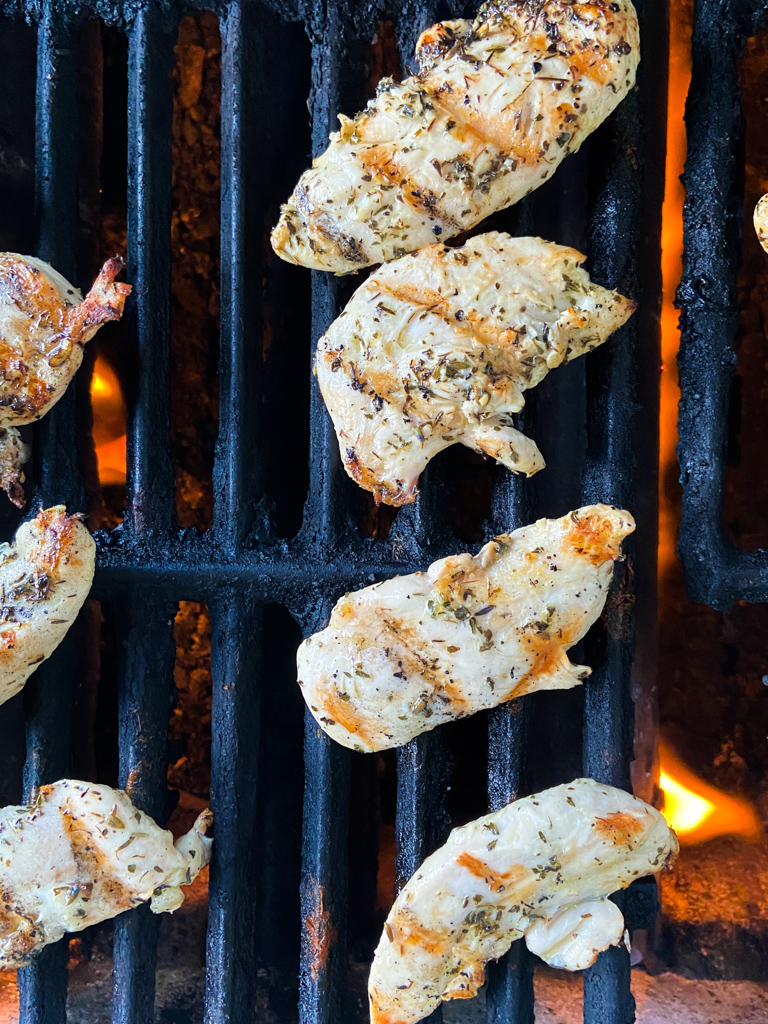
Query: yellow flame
101	387
698	811
683	809
108	423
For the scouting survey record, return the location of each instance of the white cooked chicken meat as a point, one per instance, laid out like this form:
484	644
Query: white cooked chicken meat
44	324
45	577
761	221
540	867
82	853
403	656
497	105
437	348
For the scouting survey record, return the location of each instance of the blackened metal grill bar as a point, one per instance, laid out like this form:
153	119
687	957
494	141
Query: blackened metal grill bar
232	893
236	613
150	113
716	571
145	692
48	696
145	683
324	886
244	100
614	236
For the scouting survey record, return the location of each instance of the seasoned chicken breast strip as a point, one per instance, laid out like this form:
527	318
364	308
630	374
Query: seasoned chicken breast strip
45	577
44	324
438	348
497	105
82	853
404	656
542	868
761	221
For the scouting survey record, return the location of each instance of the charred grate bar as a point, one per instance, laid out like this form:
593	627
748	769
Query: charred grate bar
148	564
716	571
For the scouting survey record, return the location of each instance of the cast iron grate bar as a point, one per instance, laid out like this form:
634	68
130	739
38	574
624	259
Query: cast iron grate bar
48	697
236	566
614	238
716	571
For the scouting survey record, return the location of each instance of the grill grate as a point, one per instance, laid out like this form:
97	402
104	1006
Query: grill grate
716	571
238	566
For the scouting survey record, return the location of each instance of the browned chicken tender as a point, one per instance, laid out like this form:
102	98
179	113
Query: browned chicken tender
438	348
497	105
44	324
81	853
45	577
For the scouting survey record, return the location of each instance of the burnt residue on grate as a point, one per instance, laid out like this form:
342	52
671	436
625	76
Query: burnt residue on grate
716	571
293	883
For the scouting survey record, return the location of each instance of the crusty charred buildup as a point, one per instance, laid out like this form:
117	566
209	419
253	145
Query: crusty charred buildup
542	868
44	324
497	105
45	576
437	348
761	221
404	656
82	853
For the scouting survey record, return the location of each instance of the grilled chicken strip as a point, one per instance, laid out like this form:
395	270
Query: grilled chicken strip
438	347
44	324
404	656
497	105
80	854
761	221
45	576
542	868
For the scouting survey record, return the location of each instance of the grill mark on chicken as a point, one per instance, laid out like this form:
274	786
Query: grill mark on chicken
619	827
408	931
384	163
89	862
340	711
472	327
496	880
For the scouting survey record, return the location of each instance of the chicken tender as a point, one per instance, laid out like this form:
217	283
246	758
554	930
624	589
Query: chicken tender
44	324
82	853
402	657
438	348
497	105
45	577
540	867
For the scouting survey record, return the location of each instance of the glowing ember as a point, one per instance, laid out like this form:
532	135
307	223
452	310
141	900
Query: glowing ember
698	811
108	423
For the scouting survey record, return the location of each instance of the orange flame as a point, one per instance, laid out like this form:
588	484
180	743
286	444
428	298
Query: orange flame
108	423
671	269
698	811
